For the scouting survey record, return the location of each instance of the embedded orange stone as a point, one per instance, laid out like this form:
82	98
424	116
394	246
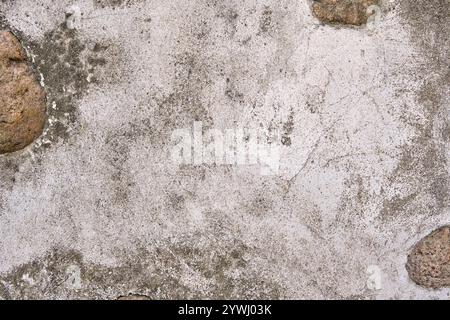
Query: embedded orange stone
22	99
349	12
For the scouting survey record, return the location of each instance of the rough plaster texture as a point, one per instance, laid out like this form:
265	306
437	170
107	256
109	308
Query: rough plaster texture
97	209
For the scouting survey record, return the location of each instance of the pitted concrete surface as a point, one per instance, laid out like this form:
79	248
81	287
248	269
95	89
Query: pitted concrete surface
22	111
96	208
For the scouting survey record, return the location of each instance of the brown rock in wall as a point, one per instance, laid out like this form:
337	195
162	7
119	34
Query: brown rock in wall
349	12
22	99
429	262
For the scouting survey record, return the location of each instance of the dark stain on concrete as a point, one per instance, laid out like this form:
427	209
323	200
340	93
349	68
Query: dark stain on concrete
288	129
116	156
176	202
68	67
232	92
231	19
353	201
4	293
115	3
154	273
58	59
266	20
9	167
183	106
423	161
3	23
260	206
429	27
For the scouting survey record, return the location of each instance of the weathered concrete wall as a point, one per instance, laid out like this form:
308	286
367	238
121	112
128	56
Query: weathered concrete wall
96	208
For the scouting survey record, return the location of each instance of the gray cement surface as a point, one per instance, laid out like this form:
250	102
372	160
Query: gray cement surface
96	208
